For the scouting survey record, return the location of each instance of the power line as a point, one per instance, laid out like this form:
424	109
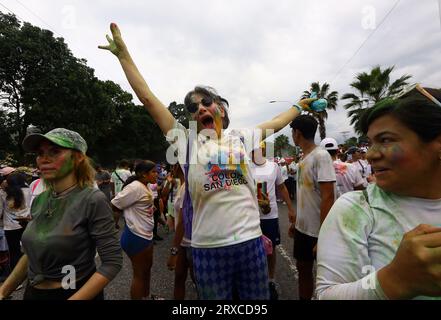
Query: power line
38	17
1	4
47	24
366	40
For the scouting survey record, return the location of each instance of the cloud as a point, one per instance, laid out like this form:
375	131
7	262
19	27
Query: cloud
250	51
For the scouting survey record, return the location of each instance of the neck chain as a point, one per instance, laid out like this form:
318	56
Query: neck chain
50	209
64	192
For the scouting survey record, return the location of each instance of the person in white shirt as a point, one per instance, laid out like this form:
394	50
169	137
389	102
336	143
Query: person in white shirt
180	259
348	177
315	196
292	173
119	176
385	243
268	174
136	200
225	217
15	212
362	166
369	174
117	179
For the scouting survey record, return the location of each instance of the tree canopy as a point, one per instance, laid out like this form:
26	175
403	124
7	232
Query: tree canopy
44	85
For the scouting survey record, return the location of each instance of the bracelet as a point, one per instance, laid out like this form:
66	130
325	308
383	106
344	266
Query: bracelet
297	107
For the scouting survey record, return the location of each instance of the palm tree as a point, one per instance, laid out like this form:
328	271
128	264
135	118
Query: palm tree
371	87
322	92
280	143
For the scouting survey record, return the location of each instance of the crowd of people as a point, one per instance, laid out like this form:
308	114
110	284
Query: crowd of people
369	216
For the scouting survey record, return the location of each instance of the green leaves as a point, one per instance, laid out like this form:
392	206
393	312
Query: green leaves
331	97
43	84
371	87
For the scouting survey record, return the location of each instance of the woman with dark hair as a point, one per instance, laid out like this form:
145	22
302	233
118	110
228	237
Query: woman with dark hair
385	242
71	220
136	200
15	199
224	225
180	259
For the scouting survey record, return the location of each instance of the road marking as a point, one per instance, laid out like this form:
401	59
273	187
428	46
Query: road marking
289	260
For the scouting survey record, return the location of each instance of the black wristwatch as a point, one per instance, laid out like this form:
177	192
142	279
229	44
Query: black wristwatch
174	251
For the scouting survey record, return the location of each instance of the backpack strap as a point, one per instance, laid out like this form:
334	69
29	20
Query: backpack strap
119	177
187	207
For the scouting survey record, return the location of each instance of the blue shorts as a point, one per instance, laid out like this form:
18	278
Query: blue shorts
270	228
133	244
241	267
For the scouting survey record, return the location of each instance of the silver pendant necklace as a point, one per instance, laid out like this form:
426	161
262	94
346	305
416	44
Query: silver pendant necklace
54	195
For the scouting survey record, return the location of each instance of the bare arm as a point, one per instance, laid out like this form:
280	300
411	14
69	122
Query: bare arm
179	235
327	193
285	196
15	278
283	119
157	110
91	288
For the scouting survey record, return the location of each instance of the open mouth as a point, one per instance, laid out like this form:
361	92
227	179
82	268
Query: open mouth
207	122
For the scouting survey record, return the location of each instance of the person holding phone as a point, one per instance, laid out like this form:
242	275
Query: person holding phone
385	242
268	177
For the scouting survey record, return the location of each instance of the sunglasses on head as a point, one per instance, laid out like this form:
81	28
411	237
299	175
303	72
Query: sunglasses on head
420	89
194	106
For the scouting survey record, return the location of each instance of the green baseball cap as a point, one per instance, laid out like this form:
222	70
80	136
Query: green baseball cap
59	136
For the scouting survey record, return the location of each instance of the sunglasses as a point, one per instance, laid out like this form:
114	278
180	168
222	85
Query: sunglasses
420	89
194	106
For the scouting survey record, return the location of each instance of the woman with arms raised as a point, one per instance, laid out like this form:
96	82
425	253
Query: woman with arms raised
224	228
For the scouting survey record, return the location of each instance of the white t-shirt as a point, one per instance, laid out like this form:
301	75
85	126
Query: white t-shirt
284	172
36	187
364	168
225	209
269	173
356	240
136	200
316	167
179	201
172	196
9	213
123	174
292	173
348	177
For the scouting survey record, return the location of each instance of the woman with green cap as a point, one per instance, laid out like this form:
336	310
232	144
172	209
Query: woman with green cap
71	221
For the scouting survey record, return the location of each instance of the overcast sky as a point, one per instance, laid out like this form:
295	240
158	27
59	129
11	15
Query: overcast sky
251	51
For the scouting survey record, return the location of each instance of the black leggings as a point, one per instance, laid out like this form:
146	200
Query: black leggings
14	237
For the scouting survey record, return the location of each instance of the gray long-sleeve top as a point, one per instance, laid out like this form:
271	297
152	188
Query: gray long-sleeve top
66	231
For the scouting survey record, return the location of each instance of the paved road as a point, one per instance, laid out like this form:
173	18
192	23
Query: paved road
162	278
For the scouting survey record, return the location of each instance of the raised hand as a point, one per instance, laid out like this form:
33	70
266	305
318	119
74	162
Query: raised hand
116	44
313	104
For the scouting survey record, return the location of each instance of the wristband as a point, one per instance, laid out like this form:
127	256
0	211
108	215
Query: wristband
296	106
174	251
